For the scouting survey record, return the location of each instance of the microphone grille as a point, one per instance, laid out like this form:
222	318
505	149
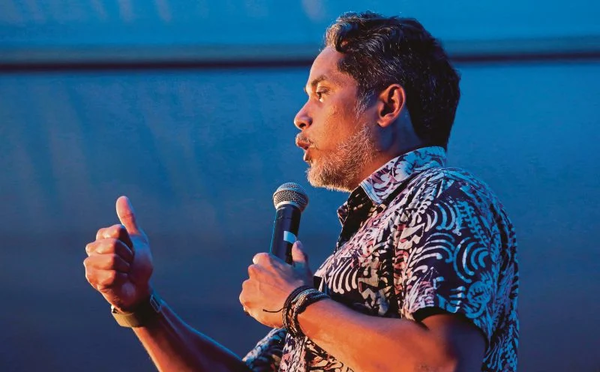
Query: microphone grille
290	193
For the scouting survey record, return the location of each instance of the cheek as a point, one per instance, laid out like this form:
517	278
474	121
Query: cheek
334	119
331	124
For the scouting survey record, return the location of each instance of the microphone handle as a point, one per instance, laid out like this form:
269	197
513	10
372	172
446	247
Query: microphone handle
285	232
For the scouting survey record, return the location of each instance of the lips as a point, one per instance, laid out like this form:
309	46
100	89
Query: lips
305	144
302	142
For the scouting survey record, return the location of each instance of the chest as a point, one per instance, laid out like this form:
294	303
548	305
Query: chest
359	273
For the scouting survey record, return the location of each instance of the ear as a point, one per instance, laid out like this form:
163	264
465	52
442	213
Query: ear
390	104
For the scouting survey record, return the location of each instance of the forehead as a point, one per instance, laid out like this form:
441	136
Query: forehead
325	67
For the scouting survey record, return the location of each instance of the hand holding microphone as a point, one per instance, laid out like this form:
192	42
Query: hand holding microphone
119	263
272	277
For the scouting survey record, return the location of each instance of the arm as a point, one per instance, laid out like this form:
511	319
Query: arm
119	266
175	346
449	269
440	343
443	342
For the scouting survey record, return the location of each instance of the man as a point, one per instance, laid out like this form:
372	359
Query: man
424	275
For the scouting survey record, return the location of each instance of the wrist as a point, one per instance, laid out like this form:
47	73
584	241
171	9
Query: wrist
300	300
142	297
145	312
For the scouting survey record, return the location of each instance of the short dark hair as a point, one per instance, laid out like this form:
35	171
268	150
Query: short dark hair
379	51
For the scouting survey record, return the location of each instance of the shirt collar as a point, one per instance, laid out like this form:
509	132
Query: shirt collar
379	188
384	181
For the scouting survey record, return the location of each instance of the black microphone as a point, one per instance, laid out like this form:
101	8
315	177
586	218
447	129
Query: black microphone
290	200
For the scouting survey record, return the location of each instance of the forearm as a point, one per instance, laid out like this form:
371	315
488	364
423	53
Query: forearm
175	346
369	343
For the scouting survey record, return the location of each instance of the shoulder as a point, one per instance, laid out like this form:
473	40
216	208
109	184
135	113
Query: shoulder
435	183
444	178
450	191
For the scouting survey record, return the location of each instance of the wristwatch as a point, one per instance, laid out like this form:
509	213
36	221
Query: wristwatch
146	311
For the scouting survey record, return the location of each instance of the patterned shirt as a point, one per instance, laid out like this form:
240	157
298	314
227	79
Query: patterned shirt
417	237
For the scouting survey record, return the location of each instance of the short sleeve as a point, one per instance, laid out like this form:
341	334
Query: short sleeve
448	254
266	355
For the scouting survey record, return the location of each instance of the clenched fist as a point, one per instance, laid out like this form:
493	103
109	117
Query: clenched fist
270	282
119	263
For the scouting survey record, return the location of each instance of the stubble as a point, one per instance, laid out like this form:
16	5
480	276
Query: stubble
340	170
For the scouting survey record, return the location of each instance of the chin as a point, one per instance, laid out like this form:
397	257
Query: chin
331	181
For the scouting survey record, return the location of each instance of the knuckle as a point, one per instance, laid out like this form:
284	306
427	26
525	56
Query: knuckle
120	230
243	298
252	270
109	279
112	231
88	275
108	246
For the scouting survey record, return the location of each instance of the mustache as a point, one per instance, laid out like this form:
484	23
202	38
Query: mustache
303	141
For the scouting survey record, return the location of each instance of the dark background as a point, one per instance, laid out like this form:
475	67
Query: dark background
187	108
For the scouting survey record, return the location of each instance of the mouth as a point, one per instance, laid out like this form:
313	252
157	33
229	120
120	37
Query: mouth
305	144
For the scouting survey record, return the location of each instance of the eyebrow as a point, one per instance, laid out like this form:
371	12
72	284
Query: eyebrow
316	82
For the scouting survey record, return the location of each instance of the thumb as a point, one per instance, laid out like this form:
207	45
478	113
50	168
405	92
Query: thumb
127	216
299	256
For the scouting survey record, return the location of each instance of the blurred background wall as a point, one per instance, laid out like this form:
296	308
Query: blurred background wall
187	107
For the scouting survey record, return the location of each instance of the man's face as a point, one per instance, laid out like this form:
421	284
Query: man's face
336	137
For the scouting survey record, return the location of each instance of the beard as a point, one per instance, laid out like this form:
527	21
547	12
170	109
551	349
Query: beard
340	169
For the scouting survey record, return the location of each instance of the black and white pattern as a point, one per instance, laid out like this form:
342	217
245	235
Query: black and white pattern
416	235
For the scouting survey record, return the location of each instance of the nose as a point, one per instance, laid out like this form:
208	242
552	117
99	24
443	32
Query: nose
302	119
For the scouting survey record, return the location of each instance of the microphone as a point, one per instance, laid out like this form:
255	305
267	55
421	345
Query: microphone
290	200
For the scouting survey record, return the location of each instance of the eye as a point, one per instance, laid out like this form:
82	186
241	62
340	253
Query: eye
320	93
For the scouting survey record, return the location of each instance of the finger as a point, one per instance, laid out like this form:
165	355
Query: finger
265	260
115	246
109	279
299	256
262	259
109	232
255	270
90	247
107	262
242	297
104	279
127	216
100	233
117	231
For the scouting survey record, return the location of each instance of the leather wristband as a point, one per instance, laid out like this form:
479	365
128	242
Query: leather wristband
145	312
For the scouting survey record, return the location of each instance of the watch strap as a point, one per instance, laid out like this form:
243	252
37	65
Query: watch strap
145	312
